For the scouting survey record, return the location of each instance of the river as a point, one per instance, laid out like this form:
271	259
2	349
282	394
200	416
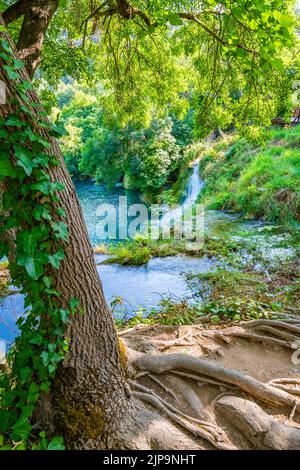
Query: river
143	287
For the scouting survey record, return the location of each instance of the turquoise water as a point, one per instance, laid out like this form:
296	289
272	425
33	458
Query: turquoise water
92	196
144	286
139	287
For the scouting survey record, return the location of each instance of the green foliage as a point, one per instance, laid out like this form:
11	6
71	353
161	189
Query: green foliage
152	157
235	295
32	208
141	249
143	159
262	181
169	312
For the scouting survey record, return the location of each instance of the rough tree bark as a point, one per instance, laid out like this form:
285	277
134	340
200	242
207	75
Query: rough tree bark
32	33
37	16
90	400
17	9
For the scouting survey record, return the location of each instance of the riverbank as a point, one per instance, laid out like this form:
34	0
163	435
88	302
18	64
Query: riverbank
261	180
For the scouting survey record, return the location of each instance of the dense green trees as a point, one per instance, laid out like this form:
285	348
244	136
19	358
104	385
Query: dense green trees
145	159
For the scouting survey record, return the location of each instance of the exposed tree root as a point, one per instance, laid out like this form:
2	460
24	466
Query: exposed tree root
261	429
172	408
286	380
162	385
276	332
260	338
205	430
200	380
174	386
263	392
273	323
292	391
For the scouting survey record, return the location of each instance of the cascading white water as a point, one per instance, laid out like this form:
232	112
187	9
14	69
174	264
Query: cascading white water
194	186
192	191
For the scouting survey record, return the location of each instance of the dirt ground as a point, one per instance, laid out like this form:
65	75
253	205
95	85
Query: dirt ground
261	350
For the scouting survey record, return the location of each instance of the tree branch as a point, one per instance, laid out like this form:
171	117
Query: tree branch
16	10
193	17
32	34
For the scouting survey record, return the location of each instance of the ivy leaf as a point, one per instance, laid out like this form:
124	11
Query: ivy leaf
56	258
61	211
74	303
29	240
45	386
43	187
37	339
52	369
45	358
21	430
25	373
12	75
27	85
61	230
6	167
6	46
47	281
33	265
4	420
18	64
24	159
14	121
175	20
5	57
57	443
40	212
64	314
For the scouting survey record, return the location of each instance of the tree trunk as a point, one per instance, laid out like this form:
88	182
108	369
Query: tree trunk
89	400
32	34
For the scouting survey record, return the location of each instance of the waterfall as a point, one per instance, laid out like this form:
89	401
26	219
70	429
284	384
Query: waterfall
192	191
194	186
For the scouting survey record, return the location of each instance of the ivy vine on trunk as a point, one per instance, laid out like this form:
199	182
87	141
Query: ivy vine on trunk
67	324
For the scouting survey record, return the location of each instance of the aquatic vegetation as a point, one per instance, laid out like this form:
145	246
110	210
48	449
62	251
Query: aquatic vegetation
140	251
244	295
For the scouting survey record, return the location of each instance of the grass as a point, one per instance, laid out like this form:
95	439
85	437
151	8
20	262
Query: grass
261	181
